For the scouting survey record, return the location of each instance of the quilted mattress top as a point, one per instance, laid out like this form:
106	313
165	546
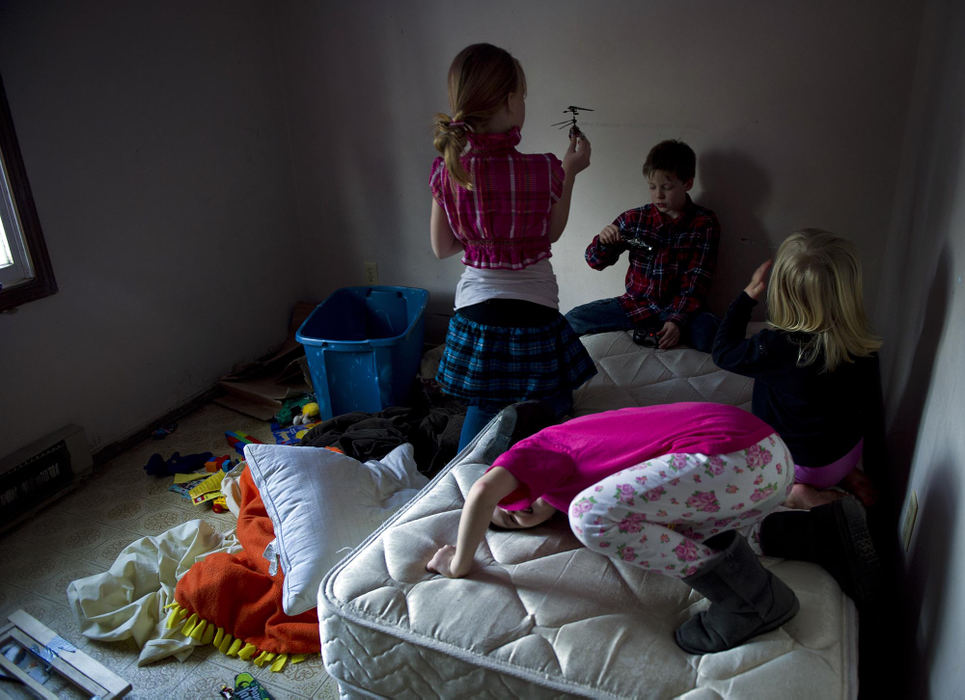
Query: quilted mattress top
541	616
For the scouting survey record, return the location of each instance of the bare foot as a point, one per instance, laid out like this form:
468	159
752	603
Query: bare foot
860	485
804	497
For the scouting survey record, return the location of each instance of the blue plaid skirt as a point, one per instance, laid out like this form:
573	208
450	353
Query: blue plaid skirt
512	363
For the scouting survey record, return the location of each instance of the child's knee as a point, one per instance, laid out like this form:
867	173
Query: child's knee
585	520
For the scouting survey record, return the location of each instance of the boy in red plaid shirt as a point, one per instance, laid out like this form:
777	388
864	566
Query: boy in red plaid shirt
672	246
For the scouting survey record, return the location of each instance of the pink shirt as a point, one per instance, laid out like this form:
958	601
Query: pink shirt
560	461
503	221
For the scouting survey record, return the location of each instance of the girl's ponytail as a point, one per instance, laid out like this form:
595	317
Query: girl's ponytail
450	140
481	79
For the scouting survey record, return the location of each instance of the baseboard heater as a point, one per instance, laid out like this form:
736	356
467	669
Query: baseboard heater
41	472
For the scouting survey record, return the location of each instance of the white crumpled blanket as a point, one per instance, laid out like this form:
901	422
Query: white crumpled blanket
127	601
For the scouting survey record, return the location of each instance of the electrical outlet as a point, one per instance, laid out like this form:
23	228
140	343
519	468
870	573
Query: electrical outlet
371	272
908	521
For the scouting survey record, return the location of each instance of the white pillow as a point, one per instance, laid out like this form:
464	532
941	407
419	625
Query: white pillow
322	503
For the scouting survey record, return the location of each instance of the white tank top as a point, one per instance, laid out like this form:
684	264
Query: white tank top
536	283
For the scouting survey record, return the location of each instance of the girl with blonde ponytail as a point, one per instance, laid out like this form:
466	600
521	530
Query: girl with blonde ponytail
815	370
502	210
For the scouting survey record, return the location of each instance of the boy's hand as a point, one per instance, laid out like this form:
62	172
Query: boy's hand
610	234
669	335
758	284
441	561
577	157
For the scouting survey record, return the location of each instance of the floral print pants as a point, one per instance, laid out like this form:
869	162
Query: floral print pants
656	514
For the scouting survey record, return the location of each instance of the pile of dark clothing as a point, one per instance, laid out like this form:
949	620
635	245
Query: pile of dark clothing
432	425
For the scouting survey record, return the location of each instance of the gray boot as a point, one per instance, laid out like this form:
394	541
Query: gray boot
745	599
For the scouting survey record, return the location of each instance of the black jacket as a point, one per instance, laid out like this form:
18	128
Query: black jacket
819	415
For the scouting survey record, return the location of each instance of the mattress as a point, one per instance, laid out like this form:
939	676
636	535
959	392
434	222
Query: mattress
543	617
630	375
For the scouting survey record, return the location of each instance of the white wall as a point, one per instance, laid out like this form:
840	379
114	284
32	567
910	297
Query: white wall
795	111
200	166
153	136
923	319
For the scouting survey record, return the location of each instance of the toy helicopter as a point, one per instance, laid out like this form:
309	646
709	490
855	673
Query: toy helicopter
571	122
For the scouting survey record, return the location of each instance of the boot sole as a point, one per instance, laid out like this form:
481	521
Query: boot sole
863	563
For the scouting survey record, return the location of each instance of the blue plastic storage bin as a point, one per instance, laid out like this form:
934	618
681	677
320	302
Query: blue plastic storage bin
364	346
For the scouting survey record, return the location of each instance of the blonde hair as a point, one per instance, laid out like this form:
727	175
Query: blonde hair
481	78
816	288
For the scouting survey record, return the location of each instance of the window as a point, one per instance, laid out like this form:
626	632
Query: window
25	271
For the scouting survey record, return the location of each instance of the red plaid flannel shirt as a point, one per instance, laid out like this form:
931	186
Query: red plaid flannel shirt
503	221
672	262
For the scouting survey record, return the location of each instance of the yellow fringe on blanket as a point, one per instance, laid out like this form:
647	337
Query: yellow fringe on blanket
206	633
226	644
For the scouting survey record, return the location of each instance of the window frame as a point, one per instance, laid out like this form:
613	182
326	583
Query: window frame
41	282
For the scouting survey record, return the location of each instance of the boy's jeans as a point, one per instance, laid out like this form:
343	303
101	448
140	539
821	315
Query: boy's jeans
599	316
607	315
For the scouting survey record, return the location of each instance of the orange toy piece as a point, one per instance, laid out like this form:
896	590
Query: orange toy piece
216	463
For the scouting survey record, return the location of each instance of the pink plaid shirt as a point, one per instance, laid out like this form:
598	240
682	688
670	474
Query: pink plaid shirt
503	222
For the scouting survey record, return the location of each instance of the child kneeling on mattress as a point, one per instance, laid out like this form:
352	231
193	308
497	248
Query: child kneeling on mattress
815	368
674	488
817	381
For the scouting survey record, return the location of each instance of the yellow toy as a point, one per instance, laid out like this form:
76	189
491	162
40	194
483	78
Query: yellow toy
310	414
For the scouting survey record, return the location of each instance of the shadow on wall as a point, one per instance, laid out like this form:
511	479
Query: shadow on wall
927	577
735	187
903	433
904	635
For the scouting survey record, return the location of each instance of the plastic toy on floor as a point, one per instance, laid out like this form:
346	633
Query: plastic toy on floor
238	440
220	505
300	424
247	687
223	463
293	408
310	414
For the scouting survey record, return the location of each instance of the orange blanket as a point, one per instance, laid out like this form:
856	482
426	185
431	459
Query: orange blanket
235	595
